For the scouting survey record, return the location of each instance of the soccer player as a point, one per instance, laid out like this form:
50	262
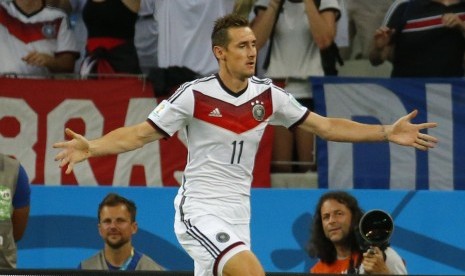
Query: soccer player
224	116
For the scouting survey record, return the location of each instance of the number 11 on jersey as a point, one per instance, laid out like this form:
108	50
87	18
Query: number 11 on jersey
237	146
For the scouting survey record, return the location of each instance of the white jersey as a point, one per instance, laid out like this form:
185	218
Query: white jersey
46	31
223	130
294	51
184	32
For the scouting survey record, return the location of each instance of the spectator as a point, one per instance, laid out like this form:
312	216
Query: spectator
224	117
364	17
74	10
334	240
302	30
36	39
62	4
243	7
422	38
110	37
14	208
184	34
146	36
117	224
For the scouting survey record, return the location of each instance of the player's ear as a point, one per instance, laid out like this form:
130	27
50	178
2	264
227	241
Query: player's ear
218	51
135	227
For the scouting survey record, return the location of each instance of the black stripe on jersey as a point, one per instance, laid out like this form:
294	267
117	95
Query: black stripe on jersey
184	86
202	243
217	261
279	89
179	91
155	126
229	91
202	239
257	80
211	245
267	81
181	207
301	120
192	228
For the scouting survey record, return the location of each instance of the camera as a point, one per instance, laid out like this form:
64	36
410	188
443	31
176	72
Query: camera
375	229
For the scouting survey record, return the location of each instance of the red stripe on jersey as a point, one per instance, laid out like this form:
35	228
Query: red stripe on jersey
423	23
428	22
29	32
237	119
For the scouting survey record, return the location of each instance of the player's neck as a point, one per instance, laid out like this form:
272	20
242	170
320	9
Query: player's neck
233	83
28	6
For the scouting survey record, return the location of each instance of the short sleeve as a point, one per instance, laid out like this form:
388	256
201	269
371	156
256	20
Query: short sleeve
173	114
288	111
66	40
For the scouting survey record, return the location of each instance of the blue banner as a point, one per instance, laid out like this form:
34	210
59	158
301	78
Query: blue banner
62	229
386	165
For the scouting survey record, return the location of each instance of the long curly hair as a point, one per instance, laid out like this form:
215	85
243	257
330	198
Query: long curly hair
319	245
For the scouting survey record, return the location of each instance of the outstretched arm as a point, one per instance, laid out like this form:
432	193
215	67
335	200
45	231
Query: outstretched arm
402	132
117	141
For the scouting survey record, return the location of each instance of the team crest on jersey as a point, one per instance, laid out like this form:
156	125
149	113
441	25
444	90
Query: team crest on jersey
222	237
258	110
49	31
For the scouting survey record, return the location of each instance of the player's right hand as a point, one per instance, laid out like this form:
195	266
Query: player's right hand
73	151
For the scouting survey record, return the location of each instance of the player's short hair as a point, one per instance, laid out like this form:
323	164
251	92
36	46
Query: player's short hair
220	35
113	199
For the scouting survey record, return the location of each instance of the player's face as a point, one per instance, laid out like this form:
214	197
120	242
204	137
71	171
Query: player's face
336	219
116	227
240	54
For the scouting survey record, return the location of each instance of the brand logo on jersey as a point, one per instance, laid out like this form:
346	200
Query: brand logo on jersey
222	237
258	110
215	113
49	31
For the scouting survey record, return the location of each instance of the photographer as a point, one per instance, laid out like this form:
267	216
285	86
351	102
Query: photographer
334	240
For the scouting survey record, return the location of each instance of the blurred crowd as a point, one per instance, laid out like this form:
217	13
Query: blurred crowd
165	40
105	37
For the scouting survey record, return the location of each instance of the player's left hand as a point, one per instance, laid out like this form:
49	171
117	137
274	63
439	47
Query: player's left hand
403	132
